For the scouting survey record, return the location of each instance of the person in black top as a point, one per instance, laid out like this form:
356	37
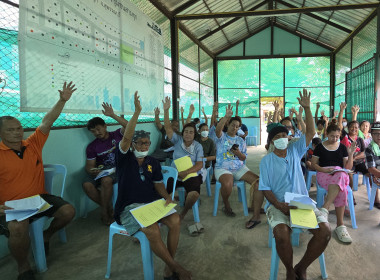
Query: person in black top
140	182
328	157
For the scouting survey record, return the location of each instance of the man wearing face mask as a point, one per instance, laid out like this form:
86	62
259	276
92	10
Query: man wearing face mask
141	182
209	149
280	172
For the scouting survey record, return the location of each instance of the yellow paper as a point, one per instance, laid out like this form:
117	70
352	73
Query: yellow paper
185	163
304	218
148	214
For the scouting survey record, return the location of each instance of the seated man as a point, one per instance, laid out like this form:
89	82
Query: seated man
280	172
22	175
100	155
140	182
165	144
372	159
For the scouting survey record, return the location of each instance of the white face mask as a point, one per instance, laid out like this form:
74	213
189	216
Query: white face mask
281	143
204	133
140	154
344	124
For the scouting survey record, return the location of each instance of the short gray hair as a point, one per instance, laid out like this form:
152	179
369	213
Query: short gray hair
8	118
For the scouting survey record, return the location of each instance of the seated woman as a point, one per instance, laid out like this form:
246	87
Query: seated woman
372	159
328	156
185	145
140	182
231	152
209	150
364	133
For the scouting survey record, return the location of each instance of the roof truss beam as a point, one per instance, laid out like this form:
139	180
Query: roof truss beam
184	6
280	12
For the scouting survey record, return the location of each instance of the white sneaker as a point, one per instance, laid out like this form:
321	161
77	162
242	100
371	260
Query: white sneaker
343	235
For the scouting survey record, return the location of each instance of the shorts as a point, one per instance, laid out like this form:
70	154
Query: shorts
237	174
55	201
128	221
96	183
276	217
190	185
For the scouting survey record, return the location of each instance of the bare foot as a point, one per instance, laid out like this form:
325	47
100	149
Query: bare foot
301	273
184	274
167	271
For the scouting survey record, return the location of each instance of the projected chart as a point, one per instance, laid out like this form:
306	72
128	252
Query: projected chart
108	48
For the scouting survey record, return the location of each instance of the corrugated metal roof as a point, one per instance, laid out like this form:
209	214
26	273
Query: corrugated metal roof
327	27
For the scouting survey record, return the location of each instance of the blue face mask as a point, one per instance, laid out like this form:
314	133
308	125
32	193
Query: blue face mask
290	133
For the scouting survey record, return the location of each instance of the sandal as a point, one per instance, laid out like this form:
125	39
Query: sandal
200	228
193	231
251	224
228	212
377	205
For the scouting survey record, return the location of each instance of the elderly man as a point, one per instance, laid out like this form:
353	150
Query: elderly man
22	175
280	172
140	182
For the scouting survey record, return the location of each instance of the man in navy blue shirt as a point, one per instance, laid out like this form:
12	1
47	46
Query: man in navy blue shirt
140	182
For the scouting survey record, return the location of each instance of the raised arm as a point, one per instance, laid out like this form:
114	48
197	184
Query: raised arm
108	111
53	114
292	112
343	107
182	119
167	124
326	119
348	163
222	122
301	123
355	110
126	141
214	114
316	112
191	111
304	101
237	107
204	115
157	118
276	111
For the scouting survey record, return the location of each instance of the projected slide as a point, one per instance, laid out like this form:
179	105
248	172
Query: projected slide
108	48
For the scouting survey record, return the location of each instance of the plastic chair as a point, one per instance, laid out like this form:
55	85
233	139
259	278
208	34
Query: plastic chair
321	192
208	177
295	242
87	200
365	181
181	194
241	194
36	228
146	252
373	194
309	176
251	138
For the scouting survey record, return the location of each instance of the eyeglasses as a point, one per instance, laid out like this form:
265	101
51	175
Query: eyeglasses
147	143
289	127
141	171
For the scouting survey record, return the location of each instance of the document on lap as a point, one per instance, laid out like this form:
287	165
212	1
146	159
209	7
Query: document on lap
303	216
184	163
25	208
105	173
341	170
150	213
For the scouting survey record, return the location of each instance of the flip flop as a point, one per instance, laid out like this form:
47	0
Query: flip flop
193	231
228	212
200	227
255	223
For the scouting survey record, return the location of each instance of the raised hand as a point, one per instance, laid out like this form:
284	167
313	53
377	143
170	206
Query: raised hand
237	102
343	106
322	113
304	98
107	109
293	110
67	91
138	107
182	110
157	111
335	114
192	108
229	111
355	109
300	110
351	150
167	103
203	110
318	105
276	105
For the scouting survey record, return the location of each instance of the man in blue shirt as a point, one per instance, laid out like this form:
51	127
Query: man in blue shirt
280	172
140	182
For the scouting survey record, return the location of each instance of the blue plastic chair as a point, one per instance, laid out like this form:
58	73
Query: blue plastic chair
146	252
87	200
364	182
251	138
181	194
321	192
241	194
295	242
36	228
309	176
373	194
208	177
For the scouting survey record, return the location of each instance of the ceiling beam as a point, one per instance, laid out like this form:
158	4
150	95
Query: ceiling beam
184	6
10	3
370	17
303	36
299	18
242	39
338	26
270	13
324	27
217	23
230	22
